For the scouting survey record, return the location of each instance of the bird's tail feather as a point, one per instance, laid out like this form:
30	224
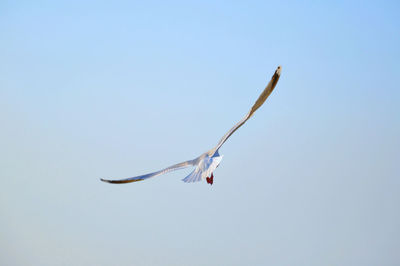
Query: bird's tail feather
194	176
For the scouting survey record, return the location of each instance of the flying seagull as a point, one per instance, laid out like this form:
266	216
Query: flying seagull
207	162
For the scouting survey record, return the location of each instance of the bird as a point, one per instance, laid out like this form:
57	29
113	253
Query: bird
207	162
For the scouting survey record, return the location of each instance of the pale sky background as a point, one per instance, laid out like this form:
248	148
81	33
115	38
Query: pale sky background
118	89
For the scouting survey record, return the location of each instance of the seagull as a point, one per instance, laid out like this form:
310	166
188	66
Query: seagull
207	162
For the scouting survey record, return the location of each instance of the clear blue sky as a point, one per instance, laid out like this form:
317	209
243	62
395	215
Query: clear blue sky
117	89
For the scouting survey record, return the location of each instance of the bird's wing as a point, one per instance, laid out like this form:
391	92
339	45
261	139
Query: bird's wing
161	172
261	99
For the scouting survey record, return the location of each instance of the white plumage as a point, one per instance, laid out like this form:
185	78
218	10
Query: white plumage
207	162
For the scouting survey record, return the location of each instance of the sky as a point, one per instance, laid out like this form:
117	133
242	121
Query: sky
112	89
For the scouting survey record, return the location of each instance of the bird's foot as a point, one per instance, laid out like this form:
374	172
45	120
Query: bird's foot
210	180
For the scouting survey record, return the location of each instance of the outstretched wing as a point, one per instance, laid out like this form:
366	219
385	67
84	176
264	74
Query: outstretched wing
261	99
161	172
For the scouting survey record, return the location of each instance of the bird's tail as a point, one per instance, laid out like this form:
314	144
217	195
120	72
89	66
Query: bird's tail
194	176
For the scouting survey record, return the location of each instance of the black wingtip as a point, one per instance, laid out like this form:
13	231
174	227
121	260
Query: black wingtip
123	181
278	70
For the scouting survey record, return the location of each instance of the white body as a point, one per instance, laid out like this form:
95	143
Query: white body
205	167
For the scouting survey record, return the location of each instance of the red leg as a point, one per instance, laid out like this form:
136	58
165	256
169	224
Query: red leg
210	180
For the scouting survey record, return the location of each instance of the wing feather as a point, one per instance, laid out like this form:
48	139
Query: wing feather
161	172
261	99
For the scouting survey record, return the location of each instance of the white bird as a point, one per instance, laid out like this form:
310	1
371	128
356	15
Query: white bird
207	162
